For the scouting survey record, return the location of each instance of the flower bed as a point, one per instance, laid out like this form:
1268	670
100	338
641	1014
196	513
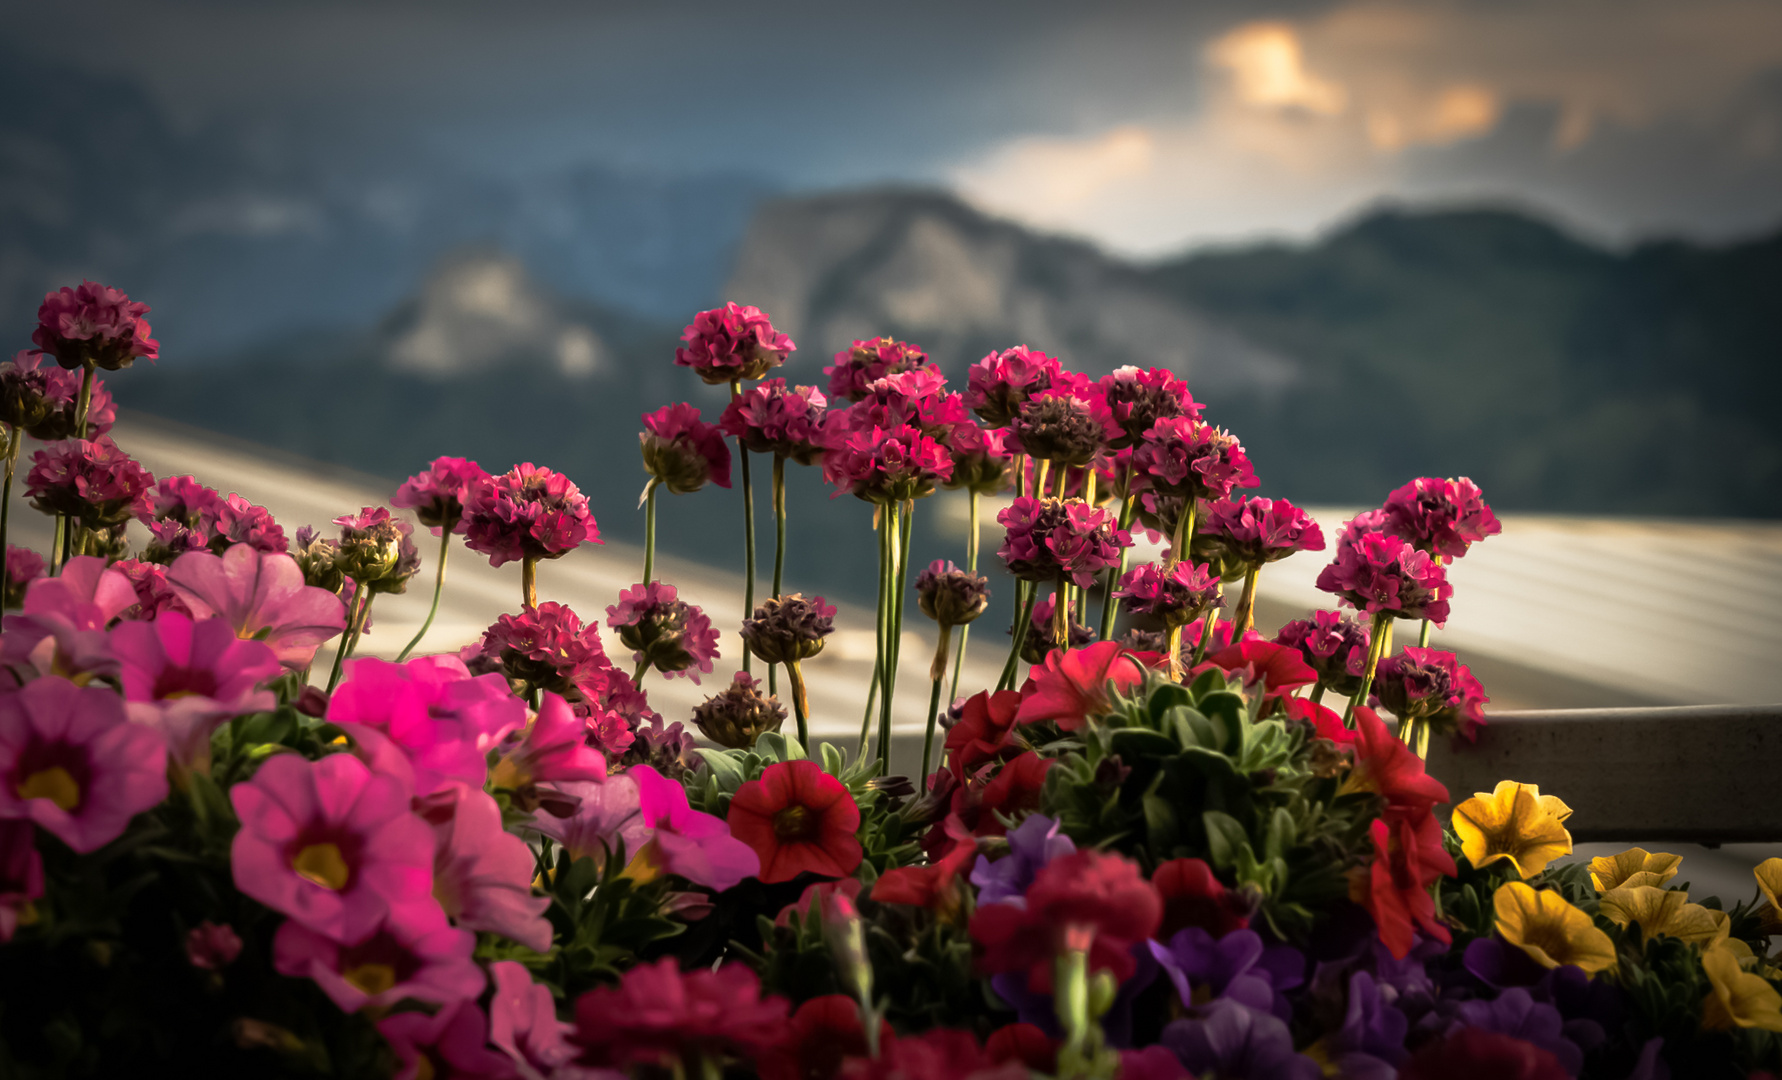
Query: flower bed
229	847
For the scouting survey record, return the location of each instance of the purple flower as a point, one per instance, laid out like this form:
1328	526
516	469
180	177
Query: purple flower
787	629
94	324
1040	1010
1371	1042
437	493
1378	573
1333	645
885	466
1246	533
1235	966
951	596
89	480
1432	685
1139	398
1176	596
1182	456
667	748
1440	516
608	818
1499	965
1235	1042
866	362
732	343
1517	1014
666	632
1047	539
998	384
527	512
980	459
1032	844
482	874
43	401
739	714
773	418
1067	424
682	451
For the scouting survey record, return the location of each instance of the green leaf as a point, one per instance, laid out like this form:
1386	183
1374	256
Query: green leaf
1161	824
1225	839
1135	743
726	768
834	761
1281	833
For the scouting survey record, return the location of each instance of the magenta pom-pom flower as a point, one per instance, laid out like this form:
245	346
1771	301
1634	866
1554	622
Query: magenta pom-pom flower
1440	516
659	1016
918	398
482	874
1176	596
1067	424
1245	533
1182	456
981	459
89	480
182	499
262	596
331	844
545	647
241	522
413	954
71	762
437	494
527	512
23	566
774	418
885	466
1334	646
997	385
93	324
1431	685
732	343
666	632
1047	539
1138	398
682	451
184	678
865	362
43	401
1383	574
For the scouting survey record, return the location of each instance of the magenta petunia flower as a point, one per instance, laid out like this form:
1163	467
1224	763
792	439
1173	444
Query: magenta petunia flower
774	418
683	451
1047	539
732	343
263	596
237	521
1067	424
72	763
546	647
998	384
1334	646
981	459
453	1042
659	1016
482	874
866	362
21	874
607	816
1245	533
330	844
438	493
414	954
527	512
666	632
443	721
1432	685
523	1021
1378	573
183	679
552	748
89	480
885	466
1182	456
62	629
1176	596
1440	516
1138	398
695	845
212	947
95	324
23	566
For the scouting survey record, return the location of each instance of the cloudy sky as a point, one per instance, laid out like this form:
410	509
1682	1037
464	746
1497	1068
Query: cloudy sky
1146	127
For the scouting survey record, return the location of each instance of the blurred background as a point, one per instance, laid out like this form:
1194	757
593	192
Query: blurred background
1537	244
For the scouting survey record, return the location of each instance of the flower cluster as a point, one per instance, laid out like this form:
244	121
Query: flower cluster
773	418
865	362
1382	574
438	494
997	385
88	480
1333	645
683	452
787	629
94	324
732	343
666	632
951	596
1441	517
1138	398
1432	686
1049	539
43	402
1247	533
1175	597
376	550
883	466
1184	457
1067	424
528	512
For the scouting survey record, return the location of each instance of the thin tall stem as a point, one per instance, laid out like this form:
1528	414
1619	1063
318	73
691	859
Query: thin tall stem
643	667
85	401
801	706
1178	550
1317	693
748	495
56	546
1061	613
1422	635
15	436
902	518
1024	594
779	549
1375	649
529	580
1245	615
650	530
1207	627
933	711
1110	607
445	546
879	525
971	564
354	607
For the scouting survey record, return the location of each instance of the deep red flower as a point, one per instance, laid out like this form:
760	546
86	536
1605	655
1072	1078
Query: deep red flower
985	732
1024	1043
1408	859
1086	899
1476	1054
823	1031
1152	1063
930	886
797	818
1390	769
1014	790
936	1054
1192	896
1280	668
659	1015
1072	684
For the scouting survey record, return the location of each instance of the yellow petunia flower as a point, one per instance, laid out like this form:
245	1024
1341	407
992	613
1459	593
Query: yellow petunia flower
1515	822
1635	866
1551	931
1661	911
1769	879
1739	997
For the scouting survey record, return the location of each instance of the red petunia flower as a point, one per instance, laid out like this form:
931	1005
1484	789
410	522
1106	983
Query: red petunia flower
823	1031
1280	668
1408	859
930	886
659	1015
1192	896
1072	684
1025	1043
797	818
1390	769
1088	899
985	732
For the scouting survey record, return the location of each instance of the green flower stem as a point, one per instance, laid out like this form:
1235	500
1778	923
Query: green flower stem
1178	549
445	547
1422	635
1019	464
902	518
779	552
85	401
56	546
1070	999
529	581
356	610
1024	594
801	706
938	672
650	529
748	496
1110	607
643	666
1245	615
69	525
1375	649
1207	626
14	437
1041	467
1061	613
971	564
1317	693
878	660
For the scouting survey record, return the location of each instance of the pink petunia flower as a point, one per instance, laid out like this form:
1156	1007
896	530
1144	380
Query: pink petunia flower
1440	516
695	845
551	749
211	946
442	720
671	635
453	1042
774	418
523	1022
96	324
89	480
1073	684
330	844
527	512
482	874
62	628
414	954
606	815
438	493
998	384
866	362
262	596
683	451
732	343
72	763
21	874
183	679
1379	573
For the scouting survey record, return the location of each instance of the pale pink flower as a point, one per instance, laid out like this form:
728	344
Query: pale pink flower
183	679
482	874
695	845
263	596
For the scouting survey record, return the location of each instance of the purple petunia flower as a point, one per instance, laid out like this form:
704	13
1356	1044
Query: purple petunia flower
1032	844
866	362
1235	1042
1236	966
1440	516
732	343
527	512
774	418
1517	1014
1378	573
1371	1041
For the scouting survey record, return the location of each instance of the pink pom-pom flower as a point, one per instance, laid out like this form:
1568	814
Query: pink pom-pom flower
682	451
94	324
1440	516
1383	574
732	343
527	512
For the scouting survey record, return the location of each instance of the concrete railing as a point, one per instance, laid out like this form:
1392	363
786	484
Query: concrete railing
1704	774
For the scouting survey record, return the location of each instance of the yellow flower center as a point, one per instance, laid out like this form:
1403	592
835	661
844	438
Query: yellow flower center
646	865
53	784
373	979
322	864
424	1067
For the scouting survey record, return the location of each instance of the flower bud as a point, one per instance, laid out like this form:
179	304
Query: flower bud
666	632
789	628
739	714
314	554
375	550
951	596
